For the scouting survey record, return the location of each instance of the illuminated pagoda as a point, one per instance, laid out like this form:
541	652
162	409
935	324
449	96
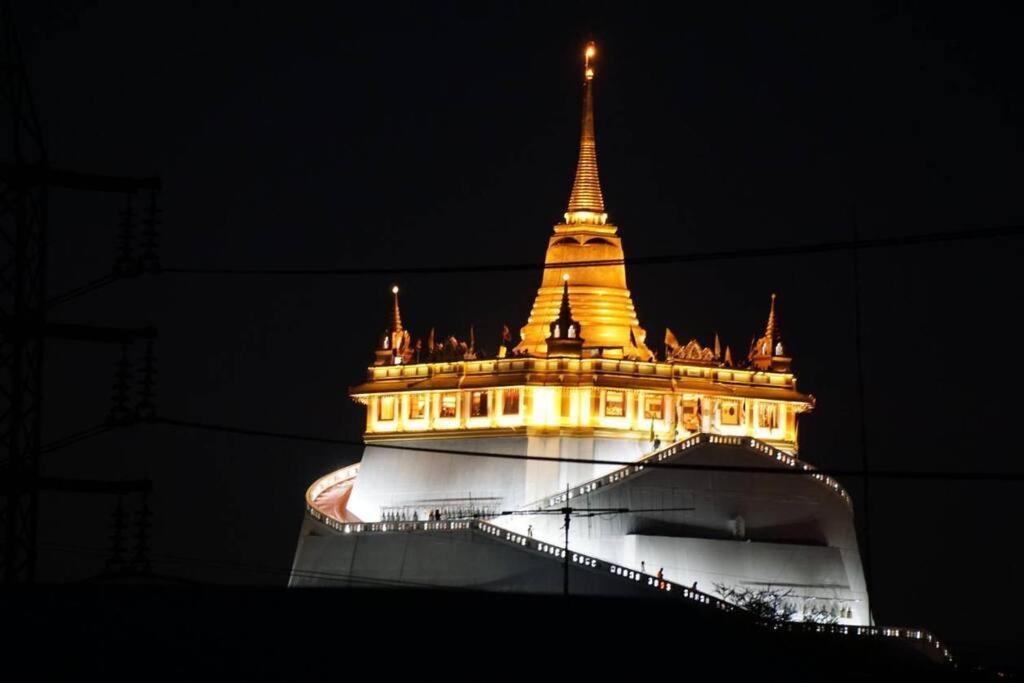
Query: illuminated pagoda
601	418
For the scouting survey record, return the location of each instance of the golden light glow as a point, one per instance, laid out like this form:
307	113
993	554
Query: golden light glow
626	413
610	386
589	218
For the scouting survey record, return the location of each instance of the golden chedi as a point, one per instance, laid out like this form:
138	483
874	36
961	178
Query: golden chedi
598	294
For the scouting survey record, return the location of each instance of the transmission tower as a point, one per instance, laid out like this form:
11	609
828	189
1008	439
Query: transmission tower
22	310
26	179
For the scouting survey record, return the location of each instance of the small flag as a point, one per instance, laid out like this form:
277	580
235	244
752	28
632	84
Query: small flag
671	343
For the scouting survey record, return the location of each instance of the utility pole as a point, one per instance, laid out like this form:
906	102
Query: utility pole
567	512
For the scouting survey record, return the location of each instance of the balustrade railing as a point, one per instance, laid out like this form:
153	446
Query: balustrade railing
900	632
678	447
646	581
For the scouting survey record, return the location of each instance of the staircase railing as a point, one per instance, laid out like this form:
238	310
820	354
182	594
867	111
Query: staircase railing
682	446
646	581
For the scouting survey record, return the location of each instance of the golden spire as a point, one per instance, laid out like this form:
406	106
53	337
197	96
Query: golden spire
396	320
564	338
586	203
565	310
767	353
769	330
601	301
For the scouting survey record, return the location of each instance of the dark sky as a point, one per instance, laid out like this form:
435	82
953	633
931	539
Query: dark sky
333	135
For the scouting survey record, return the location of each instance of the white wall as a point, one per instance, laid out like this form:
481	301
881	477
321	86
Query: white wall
389	477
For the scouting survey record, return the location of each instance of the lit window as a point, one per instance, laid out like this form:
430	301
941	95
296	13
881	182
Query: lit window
653	407
565	407
691	420
614	404
386	409
478	404
511	402
449	403
417	406
730	412
767	415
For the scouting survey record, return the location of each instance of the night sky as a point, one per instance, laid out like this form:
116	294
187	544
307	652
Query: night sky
331	135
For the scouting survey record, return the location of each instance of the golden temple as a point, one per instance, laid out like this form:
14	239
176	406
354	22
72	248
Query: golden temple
582	367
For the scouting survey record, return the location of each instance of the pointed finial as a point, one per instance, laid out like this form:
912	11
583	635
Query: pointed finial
767	353
586	202
564	312
564	332
718	347
769	330
396	321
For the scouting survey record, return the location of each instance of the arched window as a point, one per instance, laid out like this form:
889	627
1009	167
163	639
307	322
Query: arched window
778	349
572	331
558	332
764	348
387	342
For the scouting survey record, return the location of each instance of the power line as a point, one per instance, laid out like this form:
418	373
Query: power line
72	439
877	474
82	290
167	558
760	252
